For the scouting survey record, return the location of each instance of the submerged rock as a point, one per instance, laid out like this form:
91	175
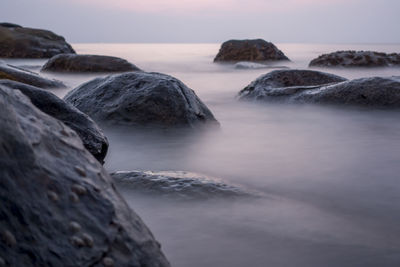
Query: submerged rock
370	92
88	63
279	84
25	76
319	87
91	135
249	50
178	184
140	98
253	65
21	42
44	220
356	59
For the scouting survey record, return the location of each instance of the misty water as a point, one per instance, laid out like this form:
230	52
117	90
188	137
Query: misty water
329	176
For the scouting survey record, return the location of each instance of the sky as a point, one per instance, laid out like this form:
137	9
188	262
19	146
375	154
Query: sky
210	21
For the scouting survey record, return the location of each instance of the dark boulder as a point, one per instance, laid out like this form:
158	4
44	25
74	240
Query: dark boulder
356	59
88	63
140	98
10	25
381	92
256	50
21	42
91	135
179	185
59	207
25	76
280	84
318	87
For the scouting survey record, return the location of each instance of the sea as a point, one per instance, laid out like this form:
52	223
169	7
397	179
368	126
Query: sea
329	175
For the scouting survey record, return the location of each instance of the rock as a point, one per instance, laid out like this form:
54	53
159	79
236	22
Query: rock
10	25
279	84
25	76
21	42
369	92
178	184
140	98
256	50
253	65
88	63
90	134
35	156
356	59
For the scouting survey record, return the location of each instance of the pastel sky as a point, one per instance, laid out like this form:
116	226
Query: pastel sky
322	21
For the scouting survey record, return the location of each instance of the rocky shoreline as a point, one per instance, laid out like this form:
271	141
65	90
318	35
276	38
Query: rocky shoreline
59	205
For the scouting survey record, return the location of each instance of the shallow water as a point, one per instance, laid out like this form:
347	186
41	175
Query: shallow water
331	175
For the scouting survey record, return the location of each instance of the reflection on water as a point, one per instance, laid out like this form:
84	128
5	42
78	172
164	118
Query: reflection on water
331	174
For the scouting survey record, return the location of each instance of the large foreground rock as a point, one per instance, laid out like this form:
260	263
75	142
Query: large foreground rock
370	92
283	83
58	205
256	50
25	76
179	185
21	42
356	59
88	63
91	135
140	98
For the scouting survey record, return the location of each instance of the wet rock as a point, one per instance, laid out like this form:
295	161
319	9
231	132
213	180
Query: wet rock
139	98
25	76
21	42
108	262
178	184
35	158
280	84
9	25
256	50
90	134
381	92
356	59
252	65
324	88
88	63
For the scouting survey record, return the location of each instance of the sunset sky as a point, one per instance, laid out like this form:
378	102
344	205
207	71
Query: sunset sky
325	21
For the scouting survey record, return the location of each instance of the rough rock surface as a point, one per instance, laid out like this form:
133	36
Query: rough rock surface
252	65
25	76
356	59
178	184
249	50
21	42
140	98
58	205
88	63
279	84
91	135
369	92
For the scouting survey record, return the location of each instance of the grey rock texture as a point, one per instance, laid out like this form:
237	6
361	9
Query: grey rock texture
179	185
25	76
21	42
58	205
369	92
140	98
356	59
92	137
88	63
256	50
324	88
279	84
